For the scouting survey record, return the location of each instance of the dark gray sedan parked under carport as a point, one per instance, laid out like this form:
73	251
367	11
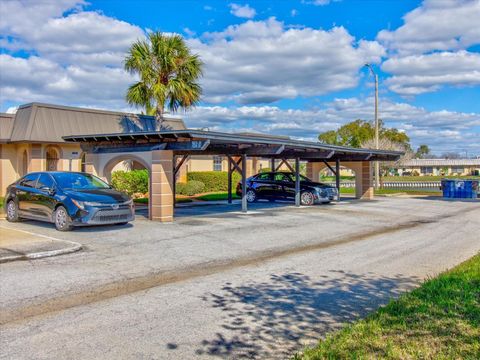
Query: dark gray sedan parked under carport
281	185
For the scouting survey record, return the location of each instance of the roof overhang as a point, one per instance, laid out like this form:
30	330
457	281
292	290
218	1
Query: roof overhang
200	142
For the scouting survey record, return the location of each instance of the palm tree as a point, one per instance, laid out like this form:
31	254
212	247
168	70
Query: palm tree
168	74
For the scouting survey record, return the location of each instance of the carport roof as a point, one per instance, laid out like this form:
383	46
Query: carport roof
201	142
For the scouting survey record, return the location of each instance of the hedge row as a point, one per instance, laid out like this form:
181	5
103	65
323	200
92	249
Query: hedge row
131	182
136	181
214	180
190	188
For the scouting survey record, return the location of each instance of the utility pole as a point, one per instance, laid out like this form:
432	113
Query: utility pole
377	140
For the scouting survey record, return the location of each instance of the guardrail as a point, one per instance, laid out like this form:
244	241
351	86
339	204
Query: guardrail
397	184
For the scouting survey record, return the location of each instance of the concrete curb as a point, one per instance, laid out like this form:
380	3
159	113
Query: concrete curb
74	247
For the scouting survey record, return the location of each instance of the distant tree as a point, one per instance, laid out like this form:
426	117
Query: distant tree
359	132
168	74
422	152
388	144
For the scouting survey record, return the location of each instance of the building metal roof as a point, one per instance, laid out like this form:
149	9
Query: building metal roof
190	141
37	122
6	126
439	162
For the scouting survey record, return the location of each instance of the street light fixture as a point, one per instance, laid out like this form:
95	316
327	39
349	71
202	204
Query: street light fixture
377	165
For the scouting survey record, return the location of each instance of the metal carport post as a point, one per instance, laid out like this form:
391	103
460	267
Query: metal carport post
297	181
244	183
337	177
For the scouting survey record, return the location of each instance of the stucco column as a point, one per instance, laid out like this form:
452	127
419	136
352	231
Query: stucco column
161	188
364	180
90	164
313	170
251	167
36	158
182	173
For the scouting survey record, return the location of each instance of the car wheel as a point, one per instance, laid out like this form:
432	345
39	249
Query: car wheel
306	198
62	219
12	211
251	195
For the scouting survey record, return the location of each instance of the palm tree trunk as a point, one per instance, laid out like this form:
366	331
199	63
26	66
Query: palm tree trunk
159	117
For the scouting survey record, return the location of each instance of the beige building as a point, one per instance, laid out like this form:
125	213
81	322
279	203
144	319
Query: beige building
439	167
31	140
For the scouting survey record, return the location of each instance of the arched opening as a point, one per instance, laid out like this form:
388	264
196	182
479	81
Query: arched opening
130	174
52	159
24	162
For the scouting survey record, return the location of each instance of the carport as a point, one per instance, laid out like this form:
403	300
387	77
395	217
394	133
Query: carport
167	150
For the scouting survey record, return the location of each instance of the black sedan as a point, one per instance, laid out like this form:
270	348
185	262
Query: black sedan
67	199
281	185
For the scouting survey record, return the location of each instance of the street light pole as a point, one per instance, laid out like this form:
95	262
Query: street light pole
377	140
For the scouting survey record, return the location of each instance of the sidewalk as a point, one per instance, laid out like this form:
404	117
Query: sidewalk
24	245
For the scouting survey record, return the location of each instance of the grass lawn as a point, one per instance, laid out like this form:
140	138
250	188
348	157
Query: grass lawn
216	196
1	201
439	320
332	178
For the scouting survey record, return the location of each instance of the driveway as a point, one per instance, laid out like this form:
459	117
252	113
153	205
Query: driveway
227	285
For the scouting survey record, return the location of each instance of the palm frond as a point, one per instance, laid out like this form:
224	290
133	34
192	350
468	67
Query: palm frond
168	73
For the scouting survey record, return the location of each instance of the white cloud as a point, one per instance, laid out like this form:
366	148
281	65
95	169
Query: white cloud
76	55
321	2
264	61
418	74
39	79
443	130
436	25
15	13
242	11
430	50
98	39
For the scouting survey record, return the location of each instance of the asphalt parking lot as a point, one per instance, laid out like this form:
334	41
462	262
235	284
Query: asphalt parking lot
226	284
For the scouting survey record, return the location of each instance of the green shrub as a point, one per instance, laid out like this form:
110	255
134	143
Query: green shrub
131	182
190	188
214	180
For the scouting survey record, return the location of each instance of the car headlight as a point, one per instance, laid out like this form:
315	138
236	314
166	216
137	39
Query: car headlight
93	203
79	204
322	192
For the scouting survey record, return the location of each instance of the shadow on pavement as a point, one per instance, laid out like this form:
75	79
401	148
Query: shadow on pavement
278	317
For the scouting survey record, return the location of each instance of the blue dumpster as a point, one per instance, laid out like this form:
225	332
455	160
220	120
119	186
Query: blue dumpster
460	188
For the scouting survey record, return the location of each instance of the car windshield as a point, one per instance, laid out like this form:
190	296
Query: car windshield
77	181
302	178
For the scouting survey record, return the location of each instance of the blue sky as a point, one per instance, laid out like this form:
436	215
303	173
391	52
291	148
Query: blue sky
285	67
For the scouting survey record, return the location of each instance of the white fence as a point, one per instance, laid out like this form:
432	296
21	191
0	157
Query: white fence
432	185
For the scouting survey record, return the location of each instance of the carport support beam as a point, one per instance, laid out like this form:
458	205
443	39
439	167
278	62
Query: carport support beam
297	181
272	164
337	177
229	177
244	183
